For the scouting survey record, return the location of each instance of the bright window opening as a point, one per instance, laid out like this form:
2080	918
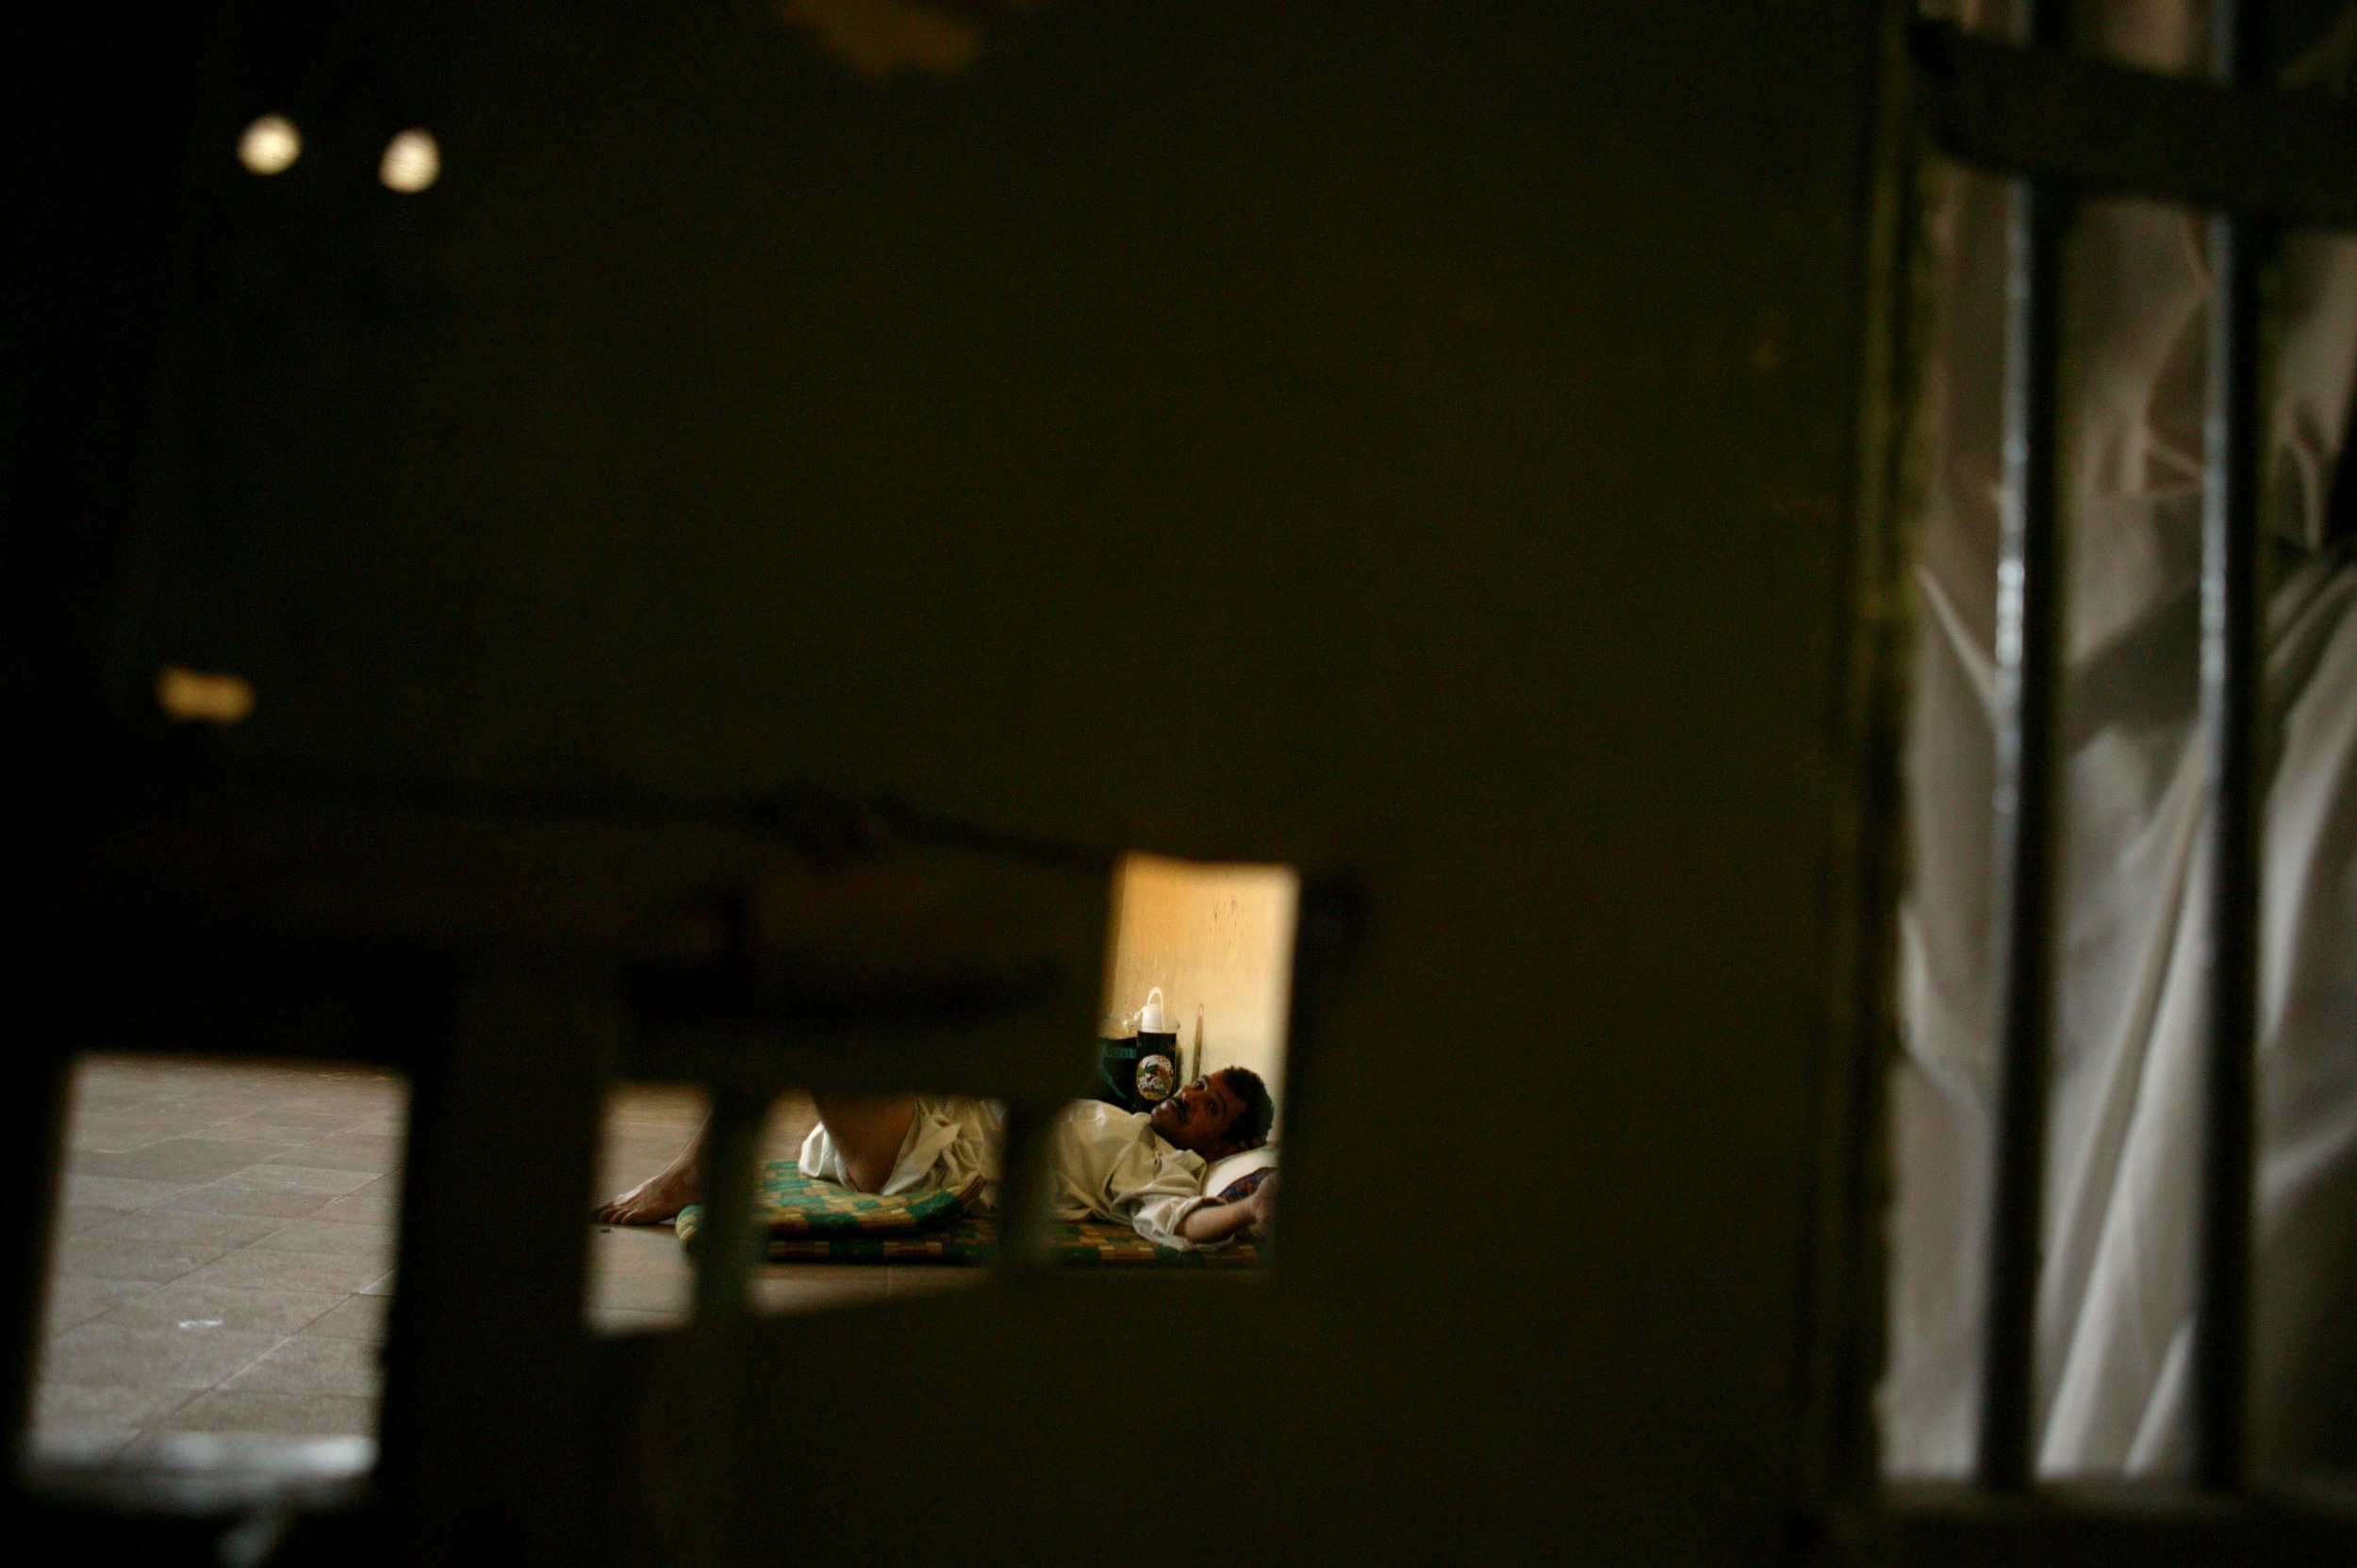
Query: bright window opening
223	1265
1170	1160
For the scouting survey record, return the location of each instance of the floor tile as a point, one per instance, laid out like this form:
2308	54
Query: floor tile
280	1177
294	1116
276	1413
71	1299
311	1236
638	1158
95	1109
59	1405
118	1192
340	1273
361	1317
827	1286
118	1356
184	1161
933	1281
204	1086
236	1196
200	1113
631	1248
98	1255
640	1154
120	1134
654	1099
241	1308
344	1151
647	1291
322	1365
657	1130
94	1085
378	1203
628	1162
165	1223
80	1447
80	1219
264	1138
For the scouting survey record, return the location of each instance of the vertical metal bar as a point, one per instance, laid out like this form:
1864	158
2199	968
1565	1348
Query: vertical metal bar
32	1134
711	1370
2029	654
2233	573
481	1439
1026	1187
724	1262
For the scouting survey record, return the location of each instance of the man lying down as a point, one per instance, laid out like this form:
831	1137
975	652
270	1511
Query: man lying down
1131	1167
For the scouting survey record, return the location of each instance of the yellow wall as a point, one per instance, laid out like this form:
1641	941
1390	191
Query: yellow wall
1218	936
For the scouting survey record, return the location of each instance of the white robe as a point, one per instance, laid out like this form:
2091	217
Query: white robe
950	1142
1110	1163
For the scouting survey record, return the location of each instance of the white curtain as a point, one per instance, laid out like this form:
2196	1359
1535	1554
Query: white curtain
2115	1307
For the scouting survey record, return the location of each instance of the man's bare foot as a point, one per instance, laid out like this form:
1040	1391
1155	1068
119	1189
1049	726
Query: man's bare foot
658	1199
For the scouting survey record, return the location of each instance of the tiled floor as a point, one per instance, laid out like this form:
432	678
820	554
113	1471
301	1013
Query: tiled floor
224	1254
225	1248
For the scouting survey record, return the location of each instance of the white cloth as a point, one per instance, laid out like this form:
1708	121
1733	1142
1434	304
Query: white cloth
2115	1307
950	1142
1110	1163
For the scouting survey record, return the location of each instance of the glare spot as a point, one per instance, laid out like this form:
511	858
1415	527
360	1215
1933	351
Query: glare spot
198	696
199	1323
412	162
270	146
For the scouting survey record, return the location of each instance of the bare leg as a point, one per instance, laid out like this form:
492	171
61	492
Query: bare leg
662	1196
868	1130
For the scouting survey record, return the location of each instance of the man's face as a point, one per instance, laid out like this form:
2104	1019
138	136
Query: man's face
1198	1117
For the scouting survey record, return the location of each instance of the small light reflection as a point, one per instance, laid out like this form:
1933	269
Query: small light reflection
270	146
413	160
200	697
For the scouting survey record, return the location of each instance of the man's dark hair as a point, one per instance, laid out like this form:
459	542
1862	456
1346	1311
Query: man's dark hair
1260	1112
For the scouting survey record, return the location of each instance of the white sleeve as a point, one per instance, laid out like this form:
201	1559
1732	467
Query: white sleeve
1155	1194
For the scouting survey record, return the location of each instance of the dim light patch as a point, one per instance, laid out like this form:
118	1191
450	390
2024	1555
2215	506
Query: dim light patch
203	696
412	162
270	146
878	39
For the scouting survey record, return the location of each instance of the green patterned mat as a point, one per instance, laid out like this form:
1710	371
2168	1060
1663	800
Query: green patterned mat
810	1221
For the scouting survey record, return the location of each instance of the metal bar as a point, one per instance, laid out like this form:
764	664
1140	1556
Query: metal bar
2112	1522
32	1123
2233	573
712	1397
1026	1187
505	1092
724	1262
2029	648
2097	125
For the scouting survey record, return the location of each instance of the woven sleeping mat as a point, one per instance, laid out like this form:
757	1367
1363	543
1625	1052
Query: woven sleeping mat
808	1221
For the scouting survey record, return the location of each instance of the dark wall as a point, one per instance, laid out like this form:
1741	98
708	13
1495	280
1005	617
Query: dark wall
1407	441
